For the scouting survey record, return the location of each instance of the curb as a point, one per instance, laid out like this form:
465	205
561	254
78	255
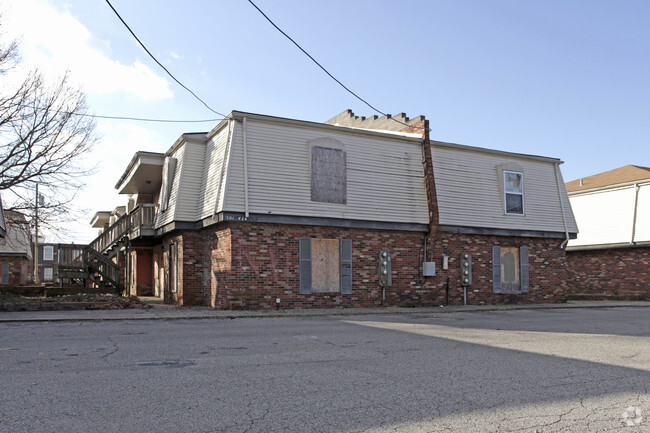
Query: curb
191	313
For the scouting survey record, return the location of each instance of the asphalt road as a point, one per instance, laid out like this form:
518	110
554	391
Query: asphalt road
578	370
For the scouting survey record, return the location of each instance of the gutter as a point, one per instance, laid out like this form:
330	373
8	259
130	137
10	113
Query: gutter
634	214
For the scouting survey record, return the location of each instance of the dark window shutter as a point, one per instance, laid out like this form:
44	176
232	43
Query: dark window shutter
305	266
5	272
496	269
346	266
523	270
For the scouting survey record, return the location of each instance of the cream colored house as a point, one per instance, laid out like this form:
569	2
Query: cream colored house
268	212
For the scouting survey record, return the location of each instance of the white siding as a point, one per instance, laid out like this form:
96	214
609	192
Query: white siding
191	177
215	153
385	180
642	233
470	193
167	216
606	216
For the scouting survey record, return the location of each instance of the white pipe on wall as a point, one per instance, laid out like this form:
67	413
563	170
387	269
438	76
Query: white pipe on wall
245	168
636	206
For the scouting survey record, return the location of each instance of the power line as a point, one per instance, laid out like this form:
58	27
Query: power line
141	119
325	70
160	64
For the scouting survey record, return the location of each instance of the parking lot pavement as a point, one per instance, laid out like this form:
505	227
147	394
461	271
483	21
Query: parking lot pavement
502	370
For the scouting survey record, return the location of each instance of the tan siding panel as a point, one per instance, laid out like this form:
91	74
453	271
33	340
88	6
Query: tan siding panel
190	182
212	165
167	216
469	192
384	175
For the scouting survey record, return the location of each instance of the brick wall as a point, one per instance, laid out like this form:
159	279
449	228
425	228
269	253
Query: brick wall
19	270
622	274
547	264
249	265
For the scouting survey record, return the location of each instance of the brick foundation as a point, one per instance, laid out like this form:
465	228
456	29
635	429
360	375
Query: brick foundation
249	265
621	274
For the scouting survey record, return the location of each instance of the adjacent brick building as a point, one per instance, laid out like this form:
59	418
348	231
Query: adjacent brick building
610	259
15	251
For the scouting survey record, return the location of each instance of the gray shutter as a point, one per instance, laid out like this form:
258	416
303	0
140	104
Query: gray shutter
496	269
305	266
5	272
523	270
346	266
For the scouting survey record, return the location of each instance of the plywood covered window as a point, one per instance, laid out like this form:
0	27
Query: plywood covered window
510	272
328	175
325	266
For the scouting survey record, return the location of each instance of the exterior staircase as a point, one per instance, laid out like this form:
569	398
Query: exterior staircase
93	263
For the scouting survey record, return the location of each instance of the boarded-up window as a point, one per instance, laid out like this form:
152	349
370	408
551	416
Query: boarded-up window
328	175
325	266
510	270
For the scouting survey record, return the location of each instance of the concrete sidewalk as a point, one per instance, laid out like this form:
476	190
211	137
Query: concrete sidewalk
166	312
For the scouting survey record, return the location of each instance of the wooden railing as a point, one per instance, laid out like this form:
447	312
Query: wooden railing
140	222
83	262
111	235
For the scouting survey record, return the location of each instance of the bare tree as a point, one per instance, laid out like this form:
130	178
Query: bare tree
44	134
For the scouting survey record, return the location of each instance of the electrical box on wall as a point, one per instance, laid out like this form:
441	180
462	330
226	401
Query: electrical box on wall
429	269
385	269
465	269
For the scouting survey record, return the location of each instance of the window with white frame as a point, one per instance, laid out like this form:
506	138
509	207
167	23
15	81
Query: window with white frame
513	187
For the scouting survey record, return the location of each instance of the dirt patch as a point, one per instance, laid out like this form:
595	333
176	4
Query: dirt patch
81	301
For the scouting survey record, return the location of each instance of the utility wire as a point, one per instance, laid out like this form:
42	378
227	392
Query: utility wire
160	64
325	70
141	119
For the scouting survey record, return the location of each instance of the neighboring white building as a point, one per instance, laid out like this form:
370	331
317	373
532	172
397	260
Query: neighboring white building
612	208
610	259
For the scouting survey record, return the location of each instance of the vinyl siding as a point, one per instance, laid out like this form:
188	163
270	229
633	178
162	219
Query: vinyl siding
606	216
470	194
168	215
385	180
191	177
642	233
215	157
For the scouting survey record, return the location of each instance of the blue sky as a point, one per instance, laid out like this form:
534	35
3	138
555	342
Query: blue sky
559	78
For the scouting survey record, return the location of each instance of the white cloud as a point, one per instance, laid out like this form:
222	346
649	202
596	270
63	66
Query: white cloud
55	41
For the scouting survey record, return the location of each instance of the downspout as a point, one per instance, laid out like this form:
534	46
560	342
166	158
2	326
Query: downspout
636	206
559	194
245	168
